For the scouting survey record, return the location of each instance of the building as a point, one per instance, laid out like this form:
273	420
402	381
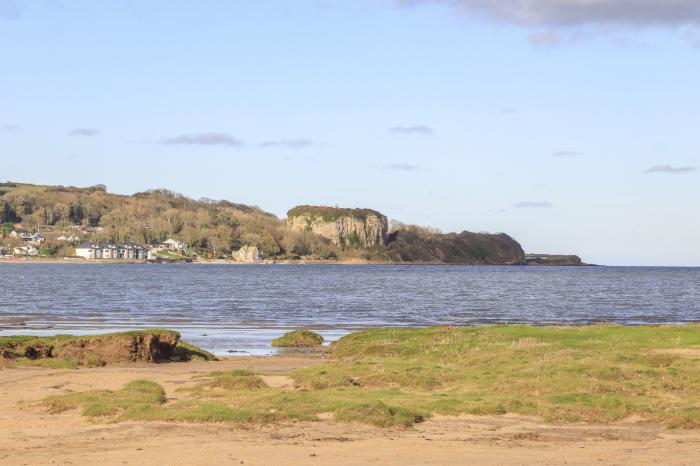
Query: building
175	245
26	251
109	250
28	236
70	239
20	234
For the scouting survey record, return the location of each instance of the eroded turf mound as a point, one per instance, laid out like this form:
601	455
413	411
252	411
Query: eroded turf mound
98	350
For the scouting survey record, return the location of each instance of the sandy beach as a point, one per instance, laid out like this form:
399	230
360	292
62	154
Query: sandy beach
31	436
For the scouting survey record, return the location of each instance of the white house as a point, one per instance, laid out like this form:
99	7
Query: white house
28	237
70	239
20	234
26	251
175	245
107	250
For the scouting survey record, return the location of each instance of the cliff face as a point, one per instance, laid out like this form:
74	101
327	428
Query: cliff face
362	228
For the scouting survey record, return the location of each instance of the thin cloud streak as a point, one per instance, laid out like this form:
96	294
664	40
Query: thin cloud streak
9	9
417	129
84	132
565	153
294	144
203	139
577	13
7	127
406	167
532	205
670	170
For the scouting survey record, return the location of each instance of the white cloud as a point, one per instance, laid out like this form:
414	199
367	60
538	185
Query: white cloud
84	132
401	167
671	170
565	153
298	143
417	129
532	205
10	128
203	139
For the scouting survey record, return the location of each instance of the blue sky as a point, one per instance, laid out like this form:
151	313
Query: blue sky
569	124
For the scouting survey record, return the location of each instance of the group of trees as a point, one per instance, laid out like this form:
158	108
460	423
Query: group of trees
217	228
211	228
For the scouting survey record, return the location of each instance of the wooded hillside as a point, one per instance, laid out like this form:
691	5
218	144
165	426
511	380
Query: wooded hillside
216	228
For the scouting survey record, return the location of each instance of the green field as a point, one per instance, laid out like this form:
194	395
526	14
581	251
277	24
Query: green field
397	377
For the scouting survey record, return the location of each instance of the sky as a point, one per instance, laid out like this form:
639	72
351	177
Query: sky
571	125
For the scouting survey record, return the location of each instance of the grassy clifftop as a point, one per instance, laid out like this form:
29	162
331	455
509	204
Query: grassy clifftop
331	214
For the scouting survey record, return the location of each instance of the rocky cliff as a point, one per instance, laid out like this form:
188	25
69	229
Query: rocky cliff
363	228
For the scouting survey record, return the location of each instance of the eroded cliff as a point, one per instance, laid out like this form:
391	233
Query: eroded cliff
362	228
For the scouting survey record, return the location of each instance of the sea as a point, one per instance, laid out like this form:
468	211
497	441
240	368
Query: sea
239	309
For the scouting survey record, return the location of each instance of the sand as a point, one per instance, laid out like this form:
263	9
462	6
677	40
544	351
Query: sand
30	436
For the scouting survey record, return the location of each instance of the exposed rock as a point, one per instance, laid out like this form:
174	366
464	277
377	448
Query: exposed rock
247	254
362	228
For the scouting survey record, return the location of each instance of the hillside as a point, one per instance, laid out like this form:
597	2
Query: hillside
211	228
215	229
414	244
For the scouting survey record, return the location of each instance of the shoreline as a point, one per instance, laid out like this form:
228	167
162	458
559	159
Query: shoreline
72	261
32	436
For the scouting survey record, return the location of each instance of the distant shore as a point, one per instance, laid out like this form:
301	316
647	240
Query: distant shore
76	261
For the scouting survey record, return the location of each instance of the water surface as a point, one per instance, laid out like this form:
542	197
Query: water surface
241	308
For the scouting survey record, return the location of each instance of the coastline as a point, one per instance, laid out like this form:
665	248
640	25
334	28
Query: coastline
74	261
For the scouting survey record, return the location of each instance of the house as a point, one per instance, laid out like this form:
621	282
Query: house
21	234
109	250
26	251
28	237
70	239
175	245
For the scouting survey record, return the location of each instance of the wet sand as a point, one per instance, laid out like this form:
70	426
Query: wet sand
30	436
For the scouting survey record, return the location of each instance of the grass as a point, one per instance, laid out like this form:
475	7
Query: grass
397	377
187	351
298	339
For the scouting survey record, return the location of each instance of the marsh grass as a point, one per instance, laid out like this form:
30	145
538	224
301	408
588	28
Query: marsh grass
396	377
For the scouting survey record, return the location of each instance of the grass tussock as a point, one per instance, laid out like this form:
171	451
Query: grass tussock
397	377
298	339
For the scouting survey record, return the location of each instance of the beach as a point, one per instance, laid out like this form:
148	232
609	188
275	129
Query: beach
31	436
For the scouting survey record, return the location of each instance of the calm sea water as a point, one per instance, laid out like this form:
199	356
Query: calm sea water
241	308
